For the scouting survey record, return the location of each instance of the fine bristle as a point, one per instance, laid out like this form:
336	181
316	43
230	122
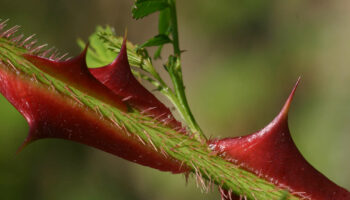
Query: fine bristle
29	42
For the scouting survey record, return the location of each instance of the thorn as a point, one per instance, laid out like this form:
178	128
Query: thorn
28	139
273	147
73	95
126	130
230	194
148	109
150	140
46	52
222	193
99	112
254	196
60	58
127	98
69	58
35	78
285	109
114	120
164	153
3	24
38	48
29	45
141	140
12	65
53	55
159	116
125	34
24	144
17	39
26	40
10	31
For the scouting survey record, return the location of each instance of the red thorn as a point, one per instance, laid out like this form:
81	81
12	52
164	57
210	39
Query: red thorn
29	139
118	77
284	112
125	34
272	154
282	117
76	73
24	144
51	115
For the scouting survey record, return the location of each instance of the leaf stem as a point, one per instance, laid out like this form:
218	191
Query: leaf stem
174	31
175	73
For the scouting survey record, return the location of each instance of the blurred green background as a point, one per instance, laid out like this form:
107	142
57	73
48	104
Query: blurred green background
242	60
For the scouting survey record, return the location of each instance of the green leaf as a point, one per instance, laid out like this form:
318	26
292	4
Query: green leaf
157	53
163	28
156	41
145	7
98	54
164	21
